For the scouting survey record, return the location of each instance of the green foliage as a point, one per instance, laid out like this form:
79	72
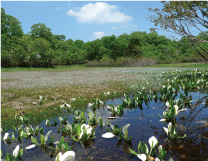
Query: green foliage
41	48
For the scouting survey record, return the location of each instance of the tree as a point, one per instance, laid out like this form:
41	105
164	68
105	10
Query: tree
41	31
11	32
179	16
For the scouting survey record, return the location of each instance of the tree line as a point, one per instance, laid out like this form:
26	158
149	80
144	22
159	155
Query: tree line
41	48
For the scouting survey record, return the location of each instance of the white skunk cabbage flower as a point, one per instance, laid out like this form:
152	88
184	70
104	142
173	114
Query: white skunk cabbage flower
47	122
178	111
90	104
6	136
156	159
31	146
167	104
87	127
68	105
152	142
143	157
101	102
168	130
62	106
41	98
160	148
108	135
61	119
21	118
16	151
68	156
108	107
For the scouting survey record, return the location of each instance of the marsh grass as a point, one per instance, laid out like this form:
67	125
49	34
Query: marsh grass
21	87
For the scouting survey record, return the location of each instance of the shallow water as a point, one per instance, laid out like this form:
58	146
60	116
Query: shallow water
144	123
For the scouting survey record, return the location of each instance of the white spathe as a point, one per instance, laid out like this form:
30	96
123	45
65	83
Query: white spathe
16	151
68	156
166	130
6	136
143	157
31	146
152	142
108	135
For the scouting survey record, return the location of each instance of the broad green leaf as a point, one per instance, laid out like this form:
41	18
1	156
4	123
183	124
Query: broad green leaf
62	140
51	141
52	148
42	140
21	152
66	146
73	138
132	151
78	129
9	157
34	140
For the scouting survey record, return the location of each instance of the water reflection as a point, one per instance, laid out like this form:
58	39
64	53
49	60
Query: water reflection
144	123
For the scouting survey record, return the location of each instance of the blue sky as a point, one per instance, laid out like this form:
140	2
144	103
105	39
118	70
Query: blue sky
85	20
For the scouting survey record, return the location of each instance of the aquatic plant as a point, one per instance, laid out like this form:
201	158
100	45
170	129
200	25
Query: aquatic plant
171	132
80	117
145	154
122	132
171	112
63	120
60	146
43	139
96	103
6	137
84	133
67	156
47	122
41	98
115	110
17	153
92	119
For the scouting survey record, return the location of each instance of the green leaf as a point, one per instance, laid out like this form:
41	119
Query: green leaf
20	152
84	137
73	138
143	148
42	140
66	146
62	140
15	129
34	140
78	129
133	152
51	141
9	157
53	149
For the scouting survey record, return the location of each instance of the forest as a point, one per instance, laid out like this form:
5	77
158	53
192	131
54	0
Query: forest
41	48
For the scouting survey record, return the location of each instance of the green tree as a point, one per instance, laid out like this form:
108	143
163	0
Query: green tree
179	16
42	53
11	32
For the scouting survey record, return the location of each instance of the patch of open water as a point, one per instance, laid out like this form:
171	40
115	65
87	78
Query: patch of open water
144	123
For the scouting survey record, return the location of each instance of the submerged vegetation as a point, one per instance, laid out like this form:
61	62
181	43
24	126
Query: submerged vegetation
81	125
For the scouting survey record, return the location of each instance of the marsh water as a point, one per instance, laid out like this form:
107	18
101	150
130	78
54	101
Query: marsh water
144	123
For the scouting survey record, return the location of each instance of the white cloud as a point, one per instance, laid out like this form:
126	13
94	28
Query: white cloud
58	8
98	35
129	25
99	12
115	28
